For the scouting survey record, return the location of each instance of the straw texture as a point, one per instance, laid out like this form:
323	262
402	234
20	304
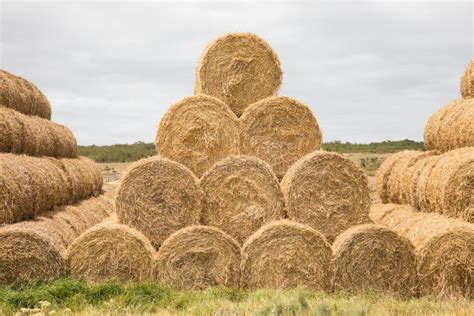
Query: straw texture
286	254
19	94
240	69
279	130
198	257
197	132
327	192
467	81
157	197
240	195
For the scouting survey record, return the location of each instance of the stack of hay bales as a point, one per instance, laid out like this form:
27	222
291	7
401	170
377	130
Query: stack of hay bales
41	180
442	178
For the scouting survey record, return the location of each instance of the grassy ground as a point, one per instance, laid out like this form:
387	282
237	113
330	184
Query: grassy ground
68	296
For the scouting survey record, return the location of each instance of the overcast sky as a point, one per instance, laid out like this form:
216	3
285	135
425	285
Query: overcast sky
369	70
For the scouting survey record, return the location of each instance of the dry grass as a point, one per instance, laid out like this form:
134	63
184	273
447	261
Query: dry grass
467	81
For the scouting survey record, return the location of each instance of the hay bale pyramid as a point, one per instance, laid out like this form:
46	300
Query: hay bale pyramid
240	194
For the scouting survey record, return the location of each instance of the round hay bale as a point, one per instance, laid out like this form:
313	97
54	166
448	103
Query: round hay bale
10	131
374	258
84	178
28	254
434	125
467	81
198	257
240	195
279	130
413	176
23	96
157	197
286	254
240	69
402	175
111	252
327	192
450	186
419	185
444	248
197	132
384	172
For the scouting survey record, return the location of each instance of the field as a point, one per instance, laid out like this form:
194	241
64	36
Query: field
67	297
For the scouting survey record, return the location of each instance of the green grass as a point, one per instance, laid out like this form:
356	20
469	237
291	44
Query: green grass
68	295
139	150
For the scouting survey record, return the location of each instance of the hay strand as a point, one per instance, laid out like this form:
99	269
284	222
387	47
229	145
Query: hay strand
157	197
467	81
286	254
279	130
197	132
240	195
444	248
374	258
327	192
239	69
198	257
21	95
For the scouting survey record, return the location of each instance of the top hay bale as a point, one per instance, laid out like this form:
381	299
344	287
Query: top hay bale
197	132
279	130
451	126
327	192
444	248
286	254
157	197
240	195
198	257
240	69
21	95
34	136
467	81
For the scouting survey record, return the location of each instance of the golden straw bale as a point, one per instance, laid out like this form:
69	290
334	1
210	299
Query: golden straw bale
467	81
35	250
374	258
240	195
111	252
198	257
21	95
157	197
279	130
286	254
420	185
444	248
434	125
450	186
197	132
240	69
327	192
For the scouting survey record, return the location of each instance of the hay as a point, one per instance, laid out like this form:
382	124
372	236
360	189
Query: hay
111	252
198	257
444	248
450	186
419	185
23	96
279	130
286	254
451	127
240	69
240	195
383	173
157	197
400	178
467	81
413	177
374	258
35	250
327	192
197	132
31	186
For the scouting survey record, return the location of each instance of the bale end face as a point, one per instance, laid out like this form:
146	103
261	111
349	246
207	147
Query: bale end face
373	258
286	254
198	257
